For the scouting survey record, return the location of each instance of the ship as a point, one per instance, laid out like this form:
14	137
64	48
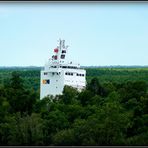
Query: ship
58	72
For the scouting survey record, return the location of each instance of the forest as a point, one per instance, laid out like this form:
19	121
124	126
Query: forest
112	110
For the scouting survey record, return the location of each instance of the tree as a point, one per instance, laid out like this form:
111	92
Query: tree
85	97
16	82
108	126
95	87
64	137
4	104
54	121
20	99
28	130
69	94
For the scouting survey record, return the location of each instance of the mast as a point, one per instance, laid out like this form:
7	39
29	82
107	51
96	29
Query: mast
60	53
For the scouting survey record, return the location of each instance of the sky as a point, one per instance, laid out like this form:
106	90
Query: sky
98	33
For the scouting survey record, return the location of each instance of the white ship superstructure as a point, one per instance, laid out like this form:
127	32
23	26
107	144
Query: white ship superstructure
58	72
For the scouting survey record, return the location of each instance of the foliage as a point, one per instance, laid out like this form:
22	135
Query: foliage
112	110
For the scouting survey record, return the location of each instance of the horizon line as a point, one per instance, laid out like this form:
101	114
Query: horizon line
87	66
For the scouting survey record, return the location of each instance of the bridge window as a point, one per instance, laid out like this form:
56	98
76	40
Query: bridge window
80	74
63	51
69	73
62	56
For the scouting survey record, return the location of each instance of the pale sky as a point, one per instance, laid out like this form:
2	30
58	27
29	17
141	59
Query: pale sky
98	33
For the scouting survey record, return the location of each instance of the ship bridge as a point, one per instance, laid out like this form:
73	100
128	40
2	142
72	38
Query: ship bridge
58	72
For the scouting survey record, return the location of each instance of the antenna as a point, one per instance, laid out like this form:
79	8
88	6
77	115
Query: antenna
60	43
63	45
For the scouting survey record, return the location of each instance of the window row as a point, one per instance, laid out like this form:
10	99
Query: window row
70	67
54	66
67	73
80	74
71	74
58	73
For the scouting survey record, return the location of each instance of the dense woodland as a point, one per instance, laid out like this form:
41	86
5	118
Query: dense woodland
112	110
